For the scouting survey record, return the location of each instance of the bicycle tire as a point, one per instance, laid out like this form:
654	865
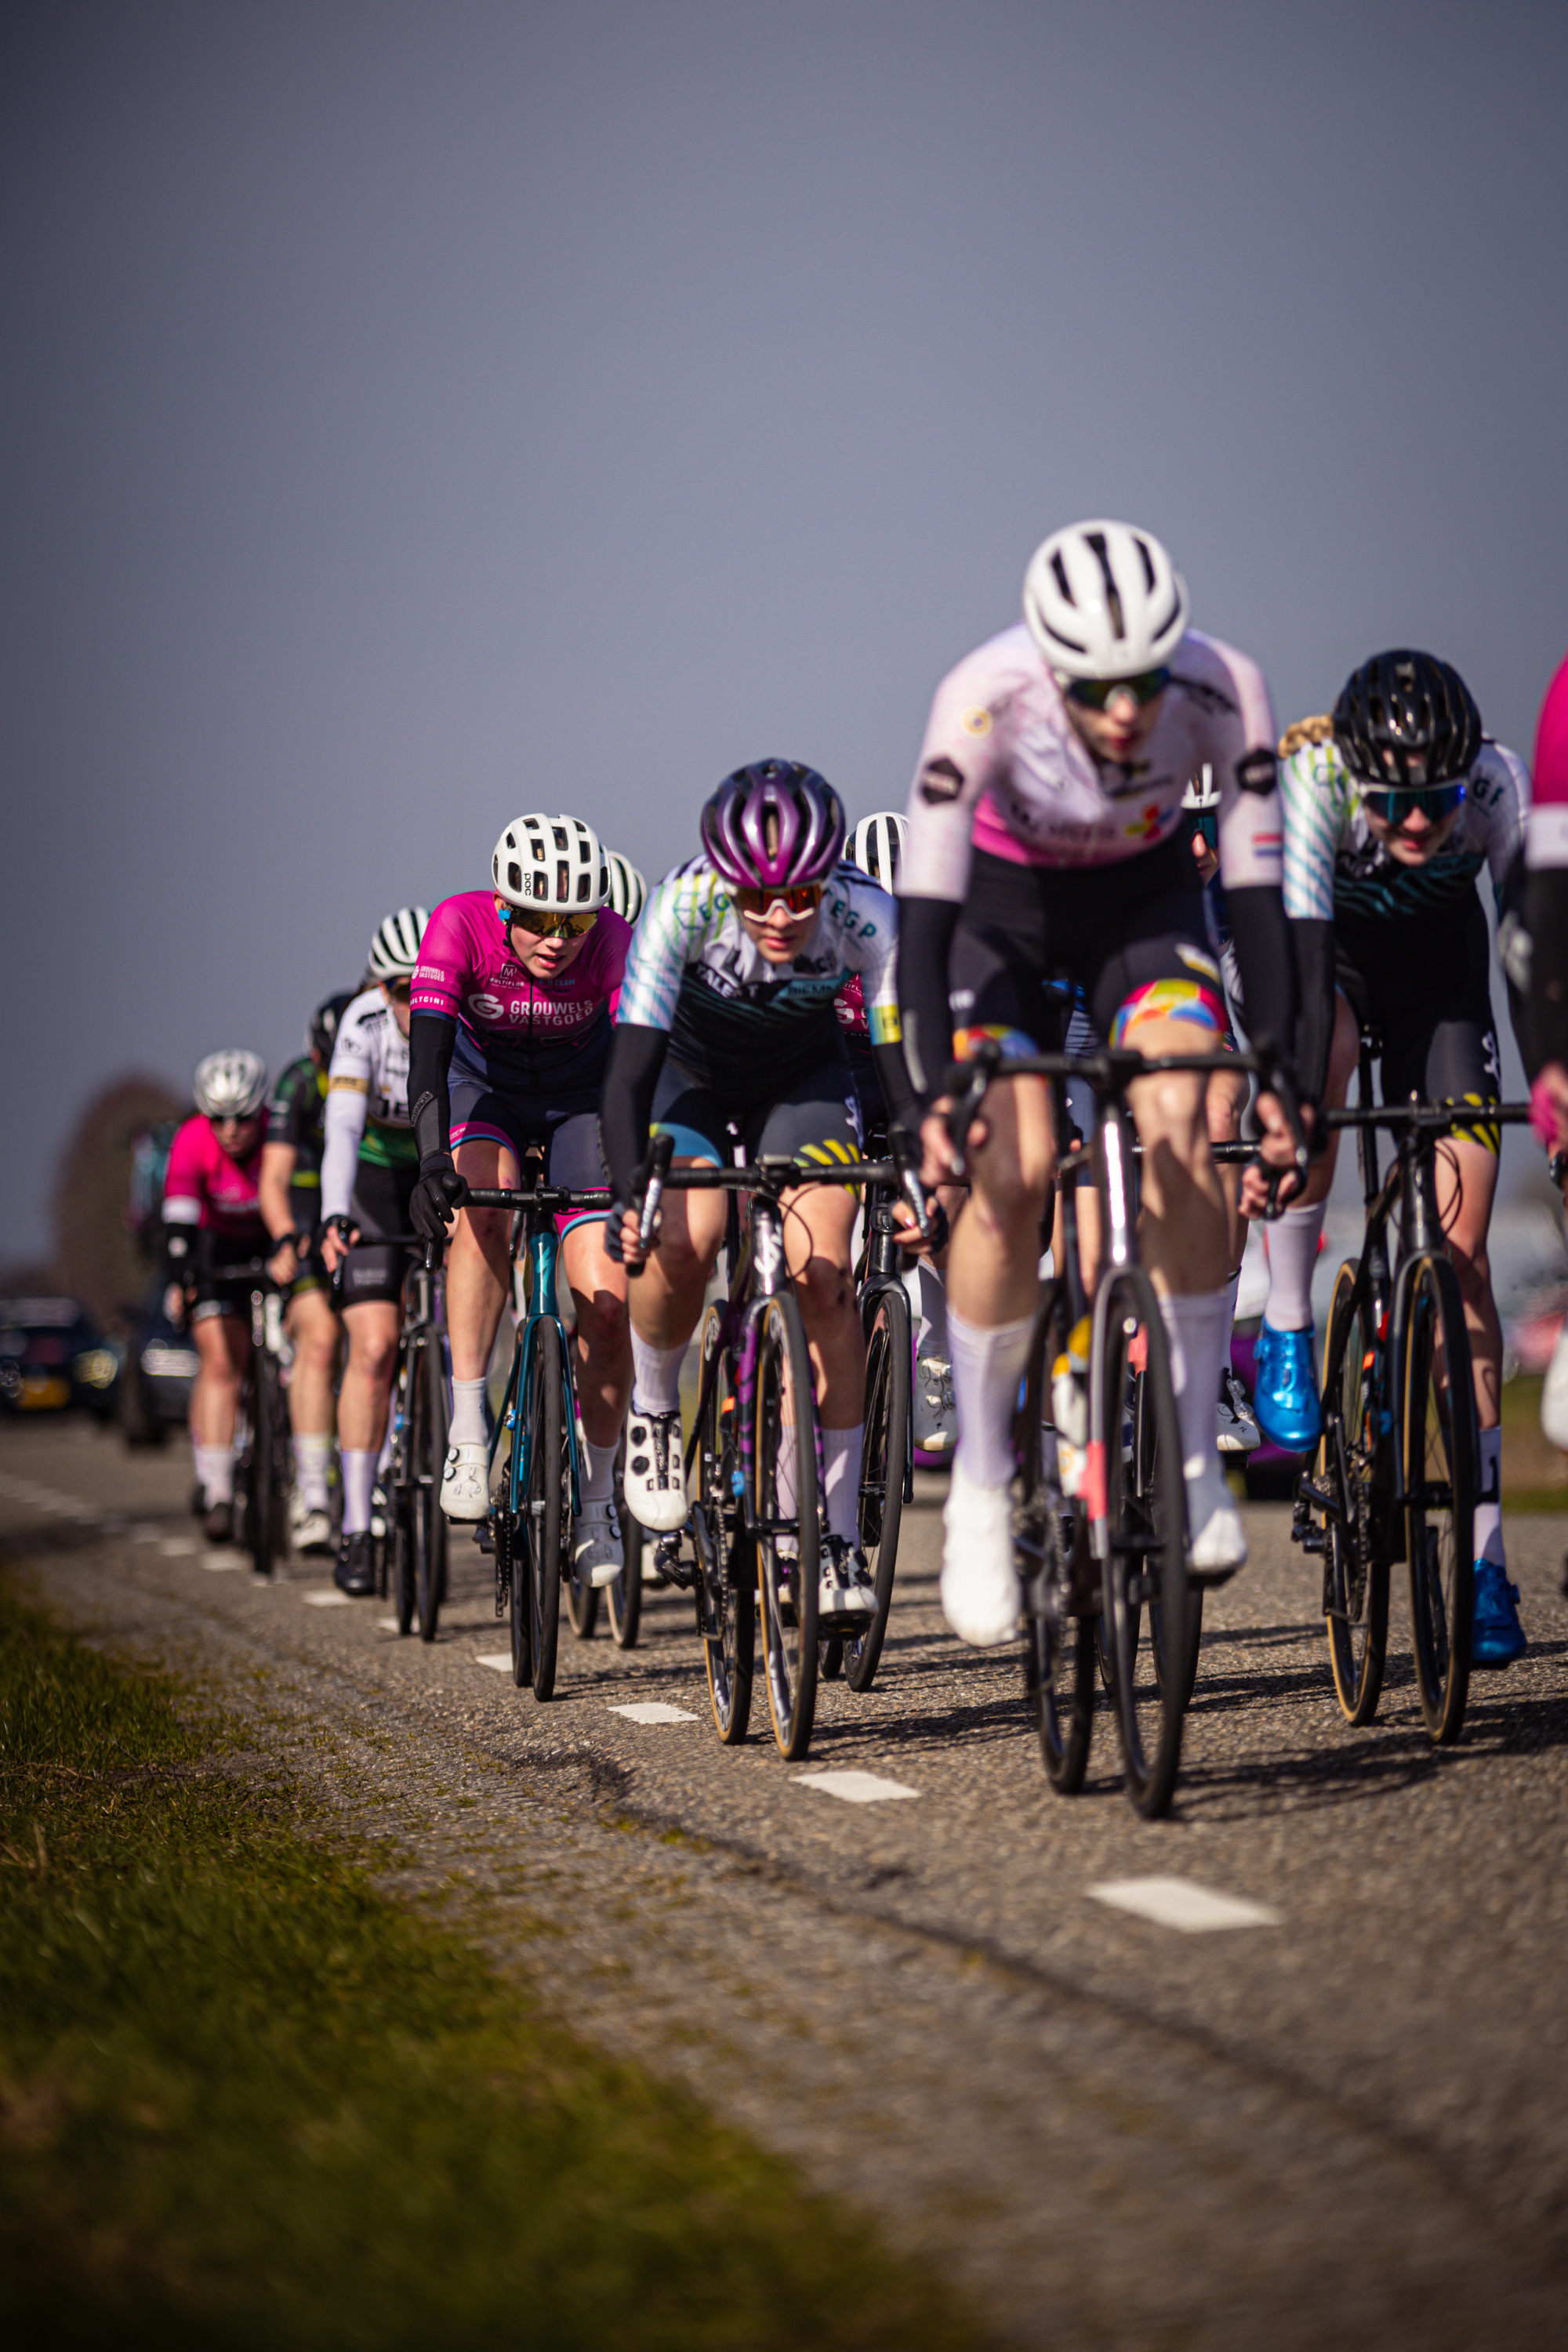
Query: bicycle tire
890	1381
548	1516
581	1604
726	1556
1060	1651
427	1461
1440	1460
509	1530
1149	1471
267	1511
625	1596
1146	1536
1356	1564
788	1587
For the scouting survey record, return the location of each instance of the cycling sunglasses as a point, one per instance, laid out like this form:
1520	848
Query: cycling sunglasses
1395	808
803	899
549	923
400	991
1094	693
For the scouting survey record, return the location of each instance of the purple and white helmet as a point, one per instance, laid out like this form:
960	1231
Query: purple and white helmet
773	826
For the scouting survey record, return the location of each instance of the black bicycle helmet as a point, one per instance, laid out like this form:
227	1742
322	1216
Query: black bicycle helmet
1407	720
321	1033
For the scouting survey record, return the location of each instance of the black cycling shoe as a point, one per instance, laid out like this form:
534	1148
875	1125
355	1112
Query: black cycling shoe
355	1571
218	1523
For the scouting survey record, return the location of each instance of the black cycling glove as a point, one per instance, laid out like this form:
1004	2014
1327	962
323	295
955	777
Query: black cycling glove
438	1195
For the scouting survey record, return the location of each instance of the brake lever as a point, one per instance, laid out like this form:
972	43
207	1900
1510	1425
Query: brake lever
647	1191
906	1161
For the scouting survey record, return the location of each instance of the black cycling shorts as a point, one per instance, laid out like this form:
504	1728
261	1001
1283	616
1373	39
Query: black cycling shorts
1424	989
376	1268
815	1116
216	1289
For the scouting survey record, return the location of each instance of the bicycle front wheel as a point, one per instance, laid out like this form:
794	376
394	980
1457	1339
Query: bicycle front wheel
1440	1472
427	1460
726	1557
1146	1534
1050	1544
548	1502
889	1370
626	1593
1355	1569
788	1549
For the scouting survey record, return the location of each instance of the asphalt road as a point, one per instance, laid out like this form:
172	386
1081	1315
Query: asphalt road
1346	2123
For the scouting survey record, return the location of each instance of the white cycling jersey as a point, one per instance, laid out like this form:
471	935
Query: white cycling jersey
1003	769
1334	864
367	1114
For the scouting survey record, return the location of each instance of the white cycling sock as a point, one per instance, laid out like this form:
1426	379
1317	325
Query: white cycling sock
842	1450
1292	1242
1196	1330
596	1470
312	1454
928	1306
987	1367
359	1477
469	1414
215	1468
655	1375
1489	1516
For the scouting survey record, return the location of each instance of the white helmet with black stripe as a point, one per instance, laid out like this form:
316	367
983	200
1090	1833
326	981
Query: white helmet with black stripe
1104	601
395	950
628	888
876	846
230	1084
554	861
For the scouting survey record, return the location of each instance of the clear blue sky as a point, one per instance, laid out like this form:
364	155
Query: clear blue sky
415	415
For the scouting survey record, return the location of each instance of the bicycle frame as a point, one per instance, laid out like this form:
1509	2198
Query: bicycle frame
882	1275
537	1232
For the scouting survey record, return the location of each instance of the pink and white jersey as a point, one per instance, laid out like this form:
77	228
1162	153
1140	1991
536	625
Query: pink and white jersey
204	1187
523	1030
1003	769
1546	834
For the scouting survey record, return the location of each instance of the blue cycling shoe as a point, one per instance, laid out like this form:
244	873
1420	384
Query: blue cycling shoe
1285	1389
1498	1635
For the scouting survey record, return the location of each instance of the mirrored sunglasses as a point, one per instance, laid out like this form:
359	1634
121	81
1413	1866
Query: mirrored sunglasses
1095	693
1395	808
555	923
802	900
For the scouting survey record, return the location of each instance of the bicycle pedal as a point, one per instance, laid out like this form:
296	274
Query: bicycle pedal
484	1538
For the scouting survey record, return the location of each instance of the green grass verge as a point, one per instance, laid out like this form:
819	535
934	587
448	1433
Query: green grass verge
244	2098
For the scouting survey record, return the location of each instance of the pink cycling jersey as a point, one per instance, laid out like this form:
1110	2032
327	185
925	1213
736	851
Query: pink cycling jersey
222	1192
1546	834
526	1028
1002	769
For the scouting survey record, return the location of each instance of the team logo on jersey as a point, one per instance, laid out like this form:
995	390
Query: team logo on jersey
976	720
941	780
1257	771
1148	824
486	1007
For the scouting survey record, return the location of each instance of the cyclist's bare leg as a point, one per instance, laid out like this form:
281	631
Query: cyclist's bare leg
362	1407
479	1262
313	1329
993	1262
1466	1181
1181	1231
604	1341
1227	1092
223	1346
667	1297
818	1222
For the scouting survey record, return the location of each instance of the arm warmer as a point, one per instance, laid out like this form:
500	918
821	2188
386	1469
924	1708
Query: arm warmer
430	1042
894	1076
347	1110
625	1104
1313	942
926	926
1267	965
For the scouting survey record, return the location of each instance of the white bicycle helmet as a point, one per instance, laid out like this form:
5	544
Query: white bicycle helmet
628	888
876	846
551	861
1104	601
230	1084
395	950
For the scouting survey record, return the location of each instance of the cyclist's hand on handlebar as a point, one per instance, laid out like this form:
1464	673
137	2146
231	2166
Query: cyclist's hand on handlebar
337	1237
939	1163
284	1263
174	1305
622	1237
1277	1176
438	1195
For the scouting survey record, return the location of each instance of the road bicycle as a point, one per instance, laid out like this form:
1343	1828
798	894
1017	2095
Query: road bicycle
264	1466
1129	1497
534	1470
1396	1470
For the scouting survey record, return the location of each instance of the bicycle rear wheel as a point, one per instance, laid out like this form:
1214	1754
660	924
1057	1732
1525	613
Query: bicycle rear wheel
786	1580
626	1594
1060	1670
1355	1569
548	1507
1146	1531
427	1459
267	1515
889	1370
1146	1438
726	1555
1440	1473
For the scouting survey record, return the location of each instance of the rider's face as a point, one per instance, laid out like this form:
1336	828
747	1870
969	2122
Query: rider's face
398	997
1419	838
543	955
780	935
1120	730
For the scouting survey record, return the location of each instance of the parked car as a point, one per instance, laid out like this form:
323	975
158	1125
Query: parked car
53	1355
160	1364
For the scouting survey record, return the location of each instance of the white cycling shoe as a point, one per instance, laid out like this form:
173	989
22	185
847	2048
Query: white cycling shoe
846	1589
935	1425
466	1483
980	1591
1217	1540
654	1482
597	1558
310	1527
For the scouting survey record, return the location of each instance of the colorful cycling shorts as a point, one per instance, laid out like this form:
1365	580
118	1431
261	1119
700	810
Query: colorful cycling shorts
815	1116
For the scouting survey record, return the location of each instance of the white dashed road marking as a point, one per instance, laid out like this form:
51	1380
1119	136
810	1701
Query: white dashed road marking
1178	1903
500	1659
386	1625
223	1562
178	1546
856	1788
328	1597
654	1710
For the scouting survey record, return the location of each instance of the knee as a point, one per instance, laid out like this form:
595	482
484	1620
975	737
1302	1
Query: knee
373	1359
823	1287
682	1263
602	1323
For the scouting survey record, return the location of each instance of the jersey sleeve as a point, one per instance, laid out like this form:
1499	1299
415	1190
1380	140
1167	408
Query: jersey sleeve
185	1177
1499	787
444	966
1547	844
679	914
871	952
962	752
1239	738
351	1069
347	1114
1314	791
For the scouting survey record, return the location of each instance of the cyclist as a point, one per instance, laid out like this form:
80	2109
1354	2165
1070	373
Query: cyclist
628	888
876	846
1537	957
1045	837
213	1223
512	1003
1392	807
727	1015
291	1193
369	1168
